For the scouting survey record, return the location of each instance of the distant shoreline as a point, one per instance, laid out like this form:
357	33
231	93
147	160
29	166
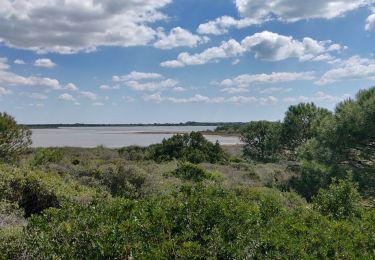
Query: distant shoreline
51	126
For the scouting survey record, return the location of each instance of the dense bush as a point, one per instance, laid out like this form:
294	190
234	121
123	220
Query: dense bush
45	155
191	147
14	139
192	172
199	223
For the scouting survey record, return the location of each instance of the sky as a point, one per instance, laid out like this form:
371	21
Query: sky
159	61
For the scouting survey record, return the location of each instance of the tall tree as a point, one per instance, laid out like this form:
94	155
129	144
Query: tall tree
262	140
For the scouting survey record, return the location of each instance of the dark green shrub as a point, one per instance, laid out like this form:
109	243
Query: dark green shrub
191	147
32	196
191	172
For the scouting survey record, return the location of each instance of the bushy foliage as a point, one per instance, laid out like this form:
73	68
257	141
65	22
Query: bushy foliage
262	140
340	201
124	181
198	223
14	139
192	172
46	155
191	147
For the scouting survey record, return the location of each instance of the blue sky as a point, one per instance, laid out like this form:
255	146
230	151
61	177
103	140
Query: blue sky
145	61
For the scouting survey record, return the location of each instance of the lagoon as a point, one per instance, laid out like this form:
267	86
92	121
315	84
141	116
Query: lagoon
115	137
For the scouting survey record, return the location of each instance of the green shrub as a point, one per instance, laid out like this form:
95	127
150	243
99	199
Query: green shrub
192	172
191	147
341	200
46	155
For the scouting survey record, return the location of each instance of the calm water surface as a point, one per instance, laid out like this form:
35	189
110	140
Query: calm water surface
114	137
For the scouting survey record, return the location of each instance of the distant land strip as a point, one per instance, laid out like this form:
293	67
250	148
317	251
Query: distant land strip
39	126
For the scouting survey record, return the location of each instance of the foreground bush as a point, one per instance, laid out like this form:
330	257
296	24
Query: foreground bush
198	223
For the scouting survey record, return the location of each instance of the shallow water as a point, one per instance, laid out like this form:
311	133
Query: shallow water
114	137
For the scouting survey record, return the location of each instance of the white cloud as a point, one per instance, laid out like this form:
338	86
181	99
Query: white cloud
74	26
107	87
179	89
265	45
248	80
235	90
318	97
275	90
71	87
152	86
4	64
370	23
66	97
136	75
4	91
38	96
19	62
275	47
12	79
157	97
351	69
222	24
227	49
295	10
142	81
89	95
195	99
45	63
178	37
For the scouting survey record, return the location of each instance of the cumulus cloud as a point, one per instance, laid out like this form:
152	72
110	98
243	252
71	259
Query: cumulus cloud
265	45
178	37
4	91
12	79
66	97
74	26
45	63
248	80
179	89
71	87
295	10
370	23
136	75
157	97
227	49
275	47
89	95
38	96
353	68
222	25
19	62
152	86
142	81
318	97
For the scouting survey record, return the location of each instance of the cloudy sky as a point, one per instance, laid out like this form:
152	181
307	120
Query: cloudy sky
130	61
